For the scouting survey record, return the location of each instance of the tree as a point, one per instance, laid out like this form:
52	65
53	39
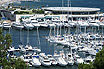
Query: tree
97	64
5	61
99	61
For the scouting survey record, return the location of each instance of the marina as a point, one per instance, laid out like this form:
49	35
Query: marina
65	47
50	40
60	37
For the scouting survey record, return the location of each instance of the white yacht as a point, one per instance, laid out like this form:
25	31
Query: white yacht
78	59
26	58
35	23
43	24
17	25
57	22
37	49
52	60
70	59
61	61
72	23
88	60
45	61
51	25
28	47
35	61
66	24
83	23
93	22
28	25
6	25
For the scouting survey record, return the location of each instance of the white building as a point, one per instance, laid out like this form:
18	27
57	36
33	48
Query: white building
74	13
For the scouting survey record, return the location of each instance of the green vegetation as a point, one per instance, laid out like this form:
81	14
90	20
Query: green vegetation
97	64
5	61
38	11
34	11
21	12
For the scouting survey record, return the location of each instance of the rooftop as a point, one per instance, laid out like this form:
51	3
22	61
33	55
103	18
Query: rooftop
72	9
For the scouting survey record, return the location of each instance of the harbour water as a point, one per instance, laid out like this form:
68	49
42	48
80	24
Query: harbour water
58	3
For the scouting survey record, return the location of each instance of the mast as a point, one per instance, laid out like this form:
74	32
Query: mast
20	36
28	36
38	38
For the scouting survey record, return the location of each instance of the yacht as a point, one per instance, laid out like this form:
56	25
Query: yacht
43	24
37	49
93	22
18	25
57	22
35	61
28	25
78	59
26	58
72	23
70	59
66	24
83	23
35	23
28	47
22	49
6	25
51	25
52	60
88	60
61	61
44	60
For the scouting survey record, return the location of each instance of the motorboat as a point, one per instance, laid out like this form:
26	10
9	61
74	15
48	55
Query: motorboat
66	24
17	25
51	25
22	49
37	49
52	60
28	47
93	23
88	60
11	54
35	23
72	23
70	59
57	22
83	23
26	58
43	24
28	25
6	25
78	59
44	60
61	61
35	61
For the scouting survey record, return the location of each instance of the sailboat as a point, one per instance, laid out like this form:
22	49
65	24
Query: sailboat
38	48
28	46
21	46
